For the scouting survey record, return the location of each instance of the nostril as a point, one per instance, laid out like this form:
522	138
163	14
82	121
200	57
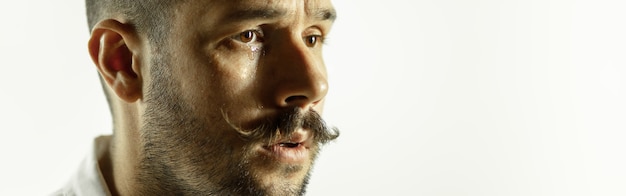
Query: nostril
294	99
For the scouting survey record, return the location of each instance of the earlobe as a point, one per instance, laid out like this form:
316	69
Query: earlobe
113	49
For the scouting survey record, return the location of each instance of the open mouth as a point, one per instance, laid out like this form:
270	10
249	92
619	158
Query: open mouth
289	145
288	152
292	150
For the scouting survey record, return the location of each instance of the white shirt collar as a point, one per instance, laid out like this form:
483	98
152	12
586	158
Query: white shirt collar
88	180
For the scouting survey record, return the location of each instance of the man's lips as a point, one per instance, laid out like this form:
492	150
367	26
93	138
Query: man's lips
290	150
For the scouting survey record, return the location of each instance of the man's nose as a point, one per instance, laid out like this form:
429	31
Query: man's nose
300	74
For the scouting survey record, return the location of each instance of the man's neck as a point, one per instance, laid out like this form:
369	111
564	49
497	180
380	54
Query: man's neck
120	162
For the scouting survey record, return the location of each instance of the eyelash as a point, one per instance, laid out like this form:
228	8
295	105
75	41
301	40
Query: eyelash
255	35
317	39
248	36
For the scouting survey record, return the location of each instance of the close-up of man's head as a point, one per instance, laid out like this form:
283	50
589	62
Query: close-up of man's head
211	97
262	98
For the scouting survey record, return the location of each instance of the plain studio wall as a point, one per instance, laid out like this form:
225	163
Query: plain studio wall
445	97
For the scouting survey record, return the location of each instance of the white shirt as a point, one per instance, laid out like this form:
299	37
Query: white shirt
88	180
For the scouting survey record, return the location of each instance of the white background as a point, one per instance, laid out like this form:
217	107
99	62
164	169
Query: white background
434	97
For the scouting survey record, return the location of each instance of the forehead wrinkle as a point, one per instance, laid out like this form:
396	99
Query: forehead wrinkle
246	10
252	13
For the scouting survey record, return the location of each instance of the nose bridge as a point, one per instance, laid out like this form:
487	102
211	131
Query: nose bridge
301	79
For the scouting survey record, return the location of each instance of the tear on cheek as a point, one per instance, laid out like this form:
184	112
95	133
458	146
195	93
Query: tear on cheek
255	53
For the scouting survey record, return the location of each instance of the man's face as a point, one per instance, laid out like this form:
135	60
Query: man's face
231	95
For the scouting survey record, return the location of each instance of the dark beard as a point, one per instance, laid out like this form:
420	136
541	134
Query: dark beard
175	159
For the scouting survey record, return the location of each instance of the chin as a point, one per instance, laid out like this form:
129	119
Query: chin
294	184
275	175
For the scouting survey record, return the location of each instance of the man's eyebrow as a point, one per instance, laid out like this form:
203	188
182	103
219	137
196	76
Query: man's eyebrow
325	14
254	14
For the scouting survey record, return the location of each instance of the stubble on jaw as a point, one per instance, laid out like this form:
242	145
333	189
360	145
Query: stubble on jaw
180	158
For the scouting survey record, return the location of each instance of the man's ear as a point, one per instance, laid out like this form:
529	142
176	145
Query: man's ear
115	48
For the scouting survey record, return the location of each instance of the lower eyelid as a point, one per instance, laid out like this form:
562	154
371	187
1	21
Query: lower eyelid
236	45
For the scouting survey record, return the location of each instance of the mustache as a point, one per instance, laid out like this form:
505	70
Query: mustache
285	124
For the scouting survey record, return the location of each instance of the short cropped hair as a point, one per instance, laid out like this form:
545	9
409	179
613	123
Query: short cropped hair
146	16
149	17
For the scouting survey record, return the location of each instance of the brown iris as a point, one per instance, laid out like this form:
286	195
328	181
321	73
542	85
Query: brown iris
311	41
247	36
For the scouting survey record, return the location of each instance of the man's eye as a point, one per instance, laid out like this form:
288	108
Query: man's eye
312	40
249	36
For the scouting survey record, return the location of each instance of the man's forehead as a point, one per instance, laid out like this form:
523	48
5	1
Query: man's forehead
306	3
314	8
